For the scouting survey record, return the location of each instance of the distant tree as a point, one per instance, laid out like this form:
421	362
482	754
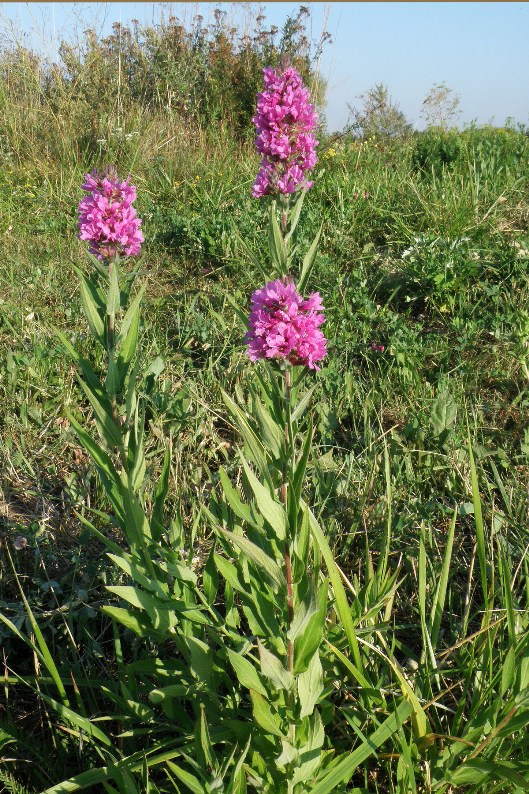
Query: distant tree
441	106
379	117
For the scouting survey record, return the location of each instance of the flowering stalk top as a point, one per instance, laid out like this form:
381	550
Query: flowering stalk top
107	218
284	325
284	120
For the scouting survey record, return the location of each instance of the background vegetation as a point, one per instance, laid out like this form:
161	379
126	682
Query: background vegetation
421	433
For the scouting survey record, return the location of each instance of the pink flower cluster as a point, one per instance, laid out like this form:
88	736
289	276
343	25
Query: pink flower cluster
284	325
107	218
284	120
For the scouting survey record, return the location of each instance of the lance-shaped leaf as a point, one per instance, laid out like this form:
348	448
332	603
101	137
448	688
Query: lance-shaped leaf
266	564
308	262
263	714
93	306
157	527
272	669
276	243
254	447
271	510
246	673
113	295
310	686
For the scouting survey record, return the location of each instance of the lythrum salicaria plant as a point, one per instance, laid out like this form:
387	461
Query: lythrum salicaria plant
275	583
178	685
285	121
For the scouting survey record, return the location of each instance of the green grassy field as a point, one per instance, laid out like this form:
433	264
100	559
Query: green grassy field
418	473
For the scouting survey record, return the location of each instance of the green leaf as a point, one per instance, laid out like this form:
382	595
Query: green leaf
480	771
308	262
277	246
349	762
263	714
266	564
440	594
246	673
480	532
240	509
105	467
444	412
272	669
131	620
189	780
294	216
82	363
93	307
168	693
270	509
128	348
309	638
201	658
113	296
342	606
303	612
103	415
157	527
310	685
230	573
254	447
131	312
204	748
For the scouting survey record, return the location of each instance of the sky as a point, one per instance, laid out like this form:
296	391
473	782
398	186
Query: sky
478	49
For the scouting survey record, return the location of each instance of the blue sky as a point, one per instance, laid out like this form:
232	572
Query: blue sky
479	49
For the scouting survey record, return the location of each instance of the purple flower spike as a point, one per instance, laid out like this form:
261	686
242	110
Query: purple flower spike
284	120
284	325
107	218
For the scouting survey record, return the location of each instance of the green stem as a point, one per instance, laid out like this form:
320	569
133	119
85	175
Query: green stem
112	348
284	499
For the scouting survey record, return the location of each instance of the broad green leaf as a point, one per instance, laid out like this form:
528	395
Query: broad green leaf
230	573
240	509
103	414
128	346
82	363
131	313
272	669
201	658
302	615
266	564
480	771
113	296
269	508
255	448
189	780
106	469
93	308
168	693
310	686
309	638
271	434
294	215
246	673
263	714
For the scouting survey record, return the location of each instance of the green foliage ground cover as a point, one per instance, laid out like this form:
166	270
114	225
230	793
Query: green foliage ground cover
419	470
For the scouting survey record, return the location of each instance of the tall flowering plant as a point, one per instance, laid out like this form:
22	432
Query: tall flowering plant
285	121
269	530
